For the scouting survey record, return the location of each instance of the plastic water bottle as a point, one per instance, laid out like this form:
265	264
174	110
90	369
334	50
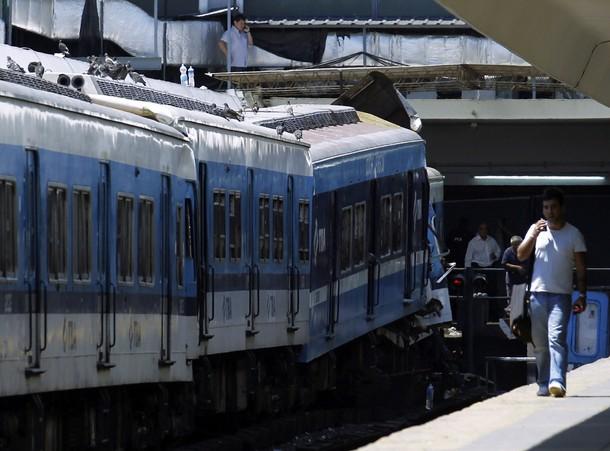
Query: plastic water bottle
191	74
183	77
429	396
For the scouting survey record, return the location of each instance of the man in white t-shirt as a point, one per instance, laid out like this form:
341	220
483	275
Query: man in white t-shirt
559	246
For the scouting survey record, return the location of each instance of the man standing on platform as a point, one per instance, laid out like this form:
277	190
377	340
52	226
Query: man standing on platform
516	270
241	39
557	246
483	251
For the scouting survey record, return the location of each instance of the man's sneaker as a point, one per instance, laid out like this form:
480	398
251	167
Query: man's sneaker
542	391
557	390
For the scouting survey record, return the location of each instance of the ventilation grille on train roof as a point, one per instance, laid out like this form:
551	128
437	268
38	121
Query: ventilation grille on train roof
33	82
133	92
313	120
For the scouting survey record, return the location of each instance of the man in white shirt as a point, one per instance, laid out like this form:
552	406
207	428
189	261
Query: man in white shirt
483	251
241	39
558	246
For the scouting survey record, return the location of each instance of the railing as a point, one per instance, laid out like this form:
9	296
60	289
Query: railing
466	302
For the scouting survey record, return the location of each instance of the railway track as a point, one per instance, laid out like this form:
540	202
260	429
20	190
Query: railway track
332	429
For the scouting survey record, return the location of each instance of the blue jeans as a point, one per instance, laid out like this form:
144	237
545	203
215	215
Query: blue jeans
550	313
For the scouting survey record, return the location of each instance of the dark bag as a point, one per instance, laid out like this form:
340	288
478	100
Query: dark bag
522	328
520	321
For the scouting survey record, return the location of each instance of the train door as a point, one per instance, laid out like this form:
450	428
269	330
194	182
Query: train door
106	289
417	254
261	203
205	270
355	231
37	307
373	265
166	272
334	285
410	203
294	274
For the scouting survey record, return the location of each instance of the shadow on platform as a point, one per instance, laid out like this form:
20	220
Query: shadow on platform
592	434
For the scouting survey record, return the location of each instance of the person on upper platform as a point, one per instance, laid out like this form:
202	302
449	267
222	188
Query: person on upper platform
241	39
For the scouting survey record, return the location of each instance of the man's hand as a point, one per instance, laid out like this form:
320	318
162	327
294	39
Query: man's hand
540	226
521	270
580	305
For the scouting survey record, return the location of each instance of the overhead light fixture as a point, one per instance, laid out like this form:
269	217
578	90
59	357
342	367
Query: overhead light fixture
541	179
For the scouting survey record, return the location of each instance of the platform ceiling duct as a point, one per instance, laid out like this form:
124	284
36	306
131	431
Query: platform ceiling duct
89	37
569	40
126	25
195	42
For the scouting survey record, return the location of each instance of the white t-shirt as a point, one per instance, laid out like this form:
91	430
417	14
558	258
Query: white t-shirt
555	258
239	46
482	251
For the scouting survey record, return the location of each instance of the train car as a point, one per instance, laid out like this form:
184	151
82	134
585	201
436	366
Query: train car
97	275
369	224
362	160
440	311
223	248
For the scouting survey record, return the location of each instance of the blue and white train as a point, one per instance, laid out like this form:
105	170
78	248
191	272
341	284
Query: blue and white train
161	262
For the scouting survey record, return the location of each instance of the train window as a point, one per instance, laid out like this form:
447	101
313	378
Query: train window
220	236
188	228
235	225
278	228
81	234
57	232
179	246
8	230
124	238
146	252
304	231
263	227
346	238
385	225
359	233
397	222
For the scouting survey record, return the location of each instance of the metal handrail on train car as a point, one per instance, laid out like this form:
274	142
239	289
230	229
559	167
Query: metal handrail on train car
333	309
213	272
251	330
113	343
298	289
257	272
336	318
102	301
249	268
377	300
294	272
45	306
30	344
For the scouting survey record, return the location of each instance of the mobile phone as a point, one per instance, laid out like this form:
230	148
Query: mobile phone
577	308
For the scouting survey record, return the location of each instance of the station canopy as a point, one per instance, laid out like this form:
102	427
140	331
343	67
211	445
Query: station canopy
567	39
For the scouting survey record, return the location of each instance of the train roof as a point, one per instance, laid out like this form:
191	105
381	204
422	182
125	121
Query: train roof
57	65
171	114
369	134
335	131
59	119
223	140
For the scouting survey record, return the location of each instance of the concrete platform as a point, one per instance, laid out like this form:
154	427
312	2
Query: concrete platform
519	420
